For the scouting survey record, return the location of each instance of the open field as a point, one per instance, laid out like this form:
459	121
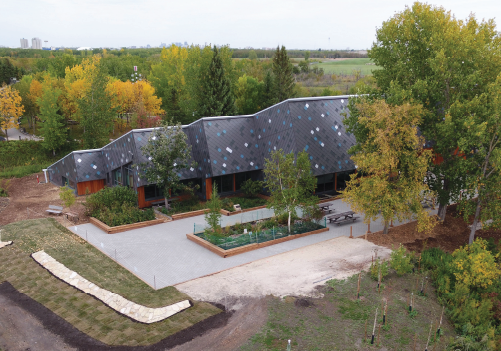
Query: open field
81	310
347	66
337	320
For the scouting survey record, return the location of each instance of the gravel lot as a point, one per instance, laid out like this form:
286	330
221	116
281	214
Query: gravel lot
295	272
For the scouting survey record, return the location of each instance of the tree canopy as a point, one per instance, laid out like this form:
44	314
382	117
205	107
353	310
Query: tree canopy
430	57
393	163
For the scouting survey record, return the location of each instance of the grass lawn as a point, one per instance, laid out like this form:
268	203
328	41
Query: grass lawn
337	321
83	311
347	66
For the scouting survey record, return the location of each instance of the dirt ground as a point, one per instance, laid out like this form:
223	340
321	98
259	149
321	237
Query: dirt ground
28	200
296	272
449	236
27	325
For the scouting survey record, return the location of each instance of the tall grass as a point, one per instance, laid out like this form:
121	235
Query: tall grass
25	157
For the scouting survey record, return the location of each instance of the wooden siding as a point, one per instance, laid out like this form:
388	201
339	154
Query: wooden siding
208	188
142	203
93	186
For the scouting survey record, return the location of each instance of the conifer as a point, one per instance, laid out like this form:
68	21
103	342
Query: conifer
217	96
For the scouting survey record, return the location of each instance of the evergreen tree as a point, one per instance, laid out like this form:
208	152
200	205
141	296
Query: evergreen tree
216	96
268	91
284	78
96	112
53	129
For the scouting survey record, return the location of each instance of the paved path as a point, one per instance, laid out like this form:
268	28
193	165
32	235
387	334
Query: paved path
162	256
15	133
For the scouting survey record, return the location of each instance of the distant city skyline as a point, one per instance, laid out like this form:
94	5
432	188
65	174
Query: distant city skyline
297	24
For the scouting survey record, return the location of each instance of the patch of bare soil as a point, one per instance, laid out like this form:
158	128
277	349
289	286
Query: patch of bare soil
29	200
4	201
449	236
247	320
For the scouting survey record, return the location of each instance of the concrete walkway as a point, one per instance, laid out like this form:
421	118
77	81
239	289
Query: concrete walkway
161	255
15	134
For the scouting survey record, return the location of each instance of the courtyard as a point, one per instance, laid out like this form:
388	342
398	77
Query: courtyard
161	255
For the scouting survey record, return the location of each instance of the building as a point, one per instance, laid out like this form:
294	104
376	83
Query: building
24	43
36	43
228	151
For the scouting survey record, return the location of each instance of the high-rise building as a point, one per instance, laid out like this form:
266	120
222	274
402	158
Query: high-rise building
24	43
36	43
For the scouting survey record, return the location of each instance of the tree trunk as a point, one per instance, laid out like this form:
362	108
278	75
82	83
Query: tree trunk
6	135
386	226
289	222
441	212
475	222
53	152
167	206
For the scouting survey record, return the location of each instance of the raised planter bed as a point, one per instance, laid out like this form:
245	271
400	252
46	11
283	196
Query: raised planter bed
229	213
188	214
239	250
125	227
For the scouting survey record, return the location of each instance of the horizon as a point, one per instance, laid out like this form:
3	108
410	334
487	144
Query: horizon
88	23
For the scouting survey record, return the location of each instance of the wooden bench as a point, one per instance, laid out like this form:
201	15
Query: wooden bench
55	209
158	202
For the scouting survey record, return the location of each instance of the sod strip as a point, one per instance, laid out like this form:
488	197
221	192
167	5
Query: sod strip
128	308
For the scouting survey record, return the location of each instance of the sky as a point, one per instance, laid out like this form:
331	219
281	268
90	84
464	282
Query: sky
297	24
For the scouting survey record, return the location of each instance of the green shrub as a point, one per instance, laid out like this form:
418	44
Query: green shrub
108	198
67	195
401	261
4	187
468	282
252	188
379	266
117	206
25	157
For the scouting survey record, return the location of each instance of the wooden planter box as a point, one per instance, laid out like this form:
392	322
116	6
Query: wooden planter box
228	213
125	227
188	214
239	250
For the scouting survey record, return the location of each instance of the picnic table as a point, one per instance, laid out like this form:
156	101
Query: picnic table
325	206
339	218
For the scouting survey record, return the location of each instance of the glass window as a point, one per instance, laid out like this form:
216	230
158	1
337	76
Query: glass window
325	183
342	178
71	184
117	177
242	177
152	192
129	176
64	180
224	183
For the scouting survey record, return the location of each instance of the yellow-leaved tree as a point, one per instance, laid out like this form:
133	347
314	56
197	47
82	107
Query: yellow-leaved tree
392	164
11	108
76	83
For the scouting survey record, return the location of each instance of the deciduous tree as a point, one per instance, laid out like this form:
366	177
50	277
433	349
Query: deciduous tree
10	108
168	152
53	128
429	56
248	95
96	111
393	164
480	145
290	181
